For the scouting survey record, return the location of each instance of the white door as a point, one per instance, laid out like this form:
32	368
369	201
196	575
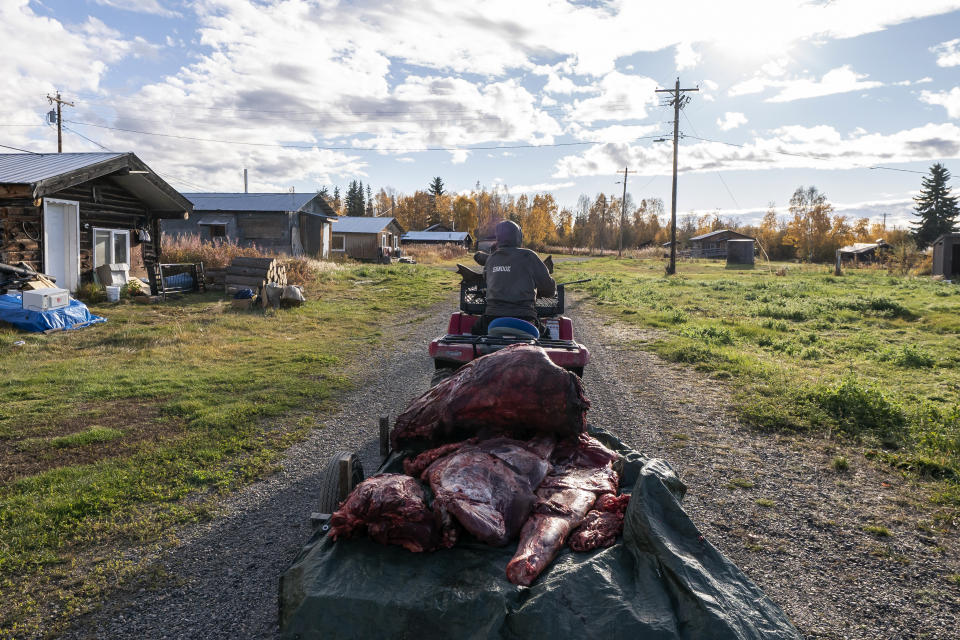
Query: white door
325	242
61	242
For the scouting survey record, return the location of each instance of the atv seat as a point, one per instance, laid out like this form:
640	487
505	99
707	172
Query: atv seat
512	327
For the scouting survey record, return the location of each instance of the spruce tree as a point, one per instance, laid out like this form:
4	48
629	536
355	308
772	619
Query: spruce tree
936	208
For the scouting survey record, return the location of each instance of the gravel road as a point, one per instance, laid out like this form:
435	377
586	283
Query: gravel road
806	546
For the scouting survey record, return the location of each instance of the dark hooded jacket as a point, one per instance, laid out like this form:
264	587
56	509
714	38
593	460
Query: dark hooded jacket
516	277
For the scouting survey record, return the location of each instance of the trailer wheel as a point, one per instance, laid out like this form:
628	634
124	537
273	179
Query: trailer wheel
343	472
441	374
578	371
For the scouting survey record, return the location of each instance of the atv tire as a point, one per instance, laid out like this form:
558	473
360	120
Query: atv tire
332	490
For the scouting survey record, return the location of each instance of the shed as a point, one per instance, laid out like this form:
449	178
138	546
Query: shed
461	238
864	251
282	223
740	251
714	244
65	214
366	238
946	256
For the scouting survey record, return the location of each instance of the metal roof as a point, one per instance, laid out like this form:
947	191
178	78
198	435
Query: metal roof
250	201
360	224
435	236
28	168
862	247
719	231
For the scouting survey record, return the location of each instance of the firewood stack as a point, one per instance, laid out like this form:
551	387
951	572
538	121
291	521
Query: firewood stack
253	273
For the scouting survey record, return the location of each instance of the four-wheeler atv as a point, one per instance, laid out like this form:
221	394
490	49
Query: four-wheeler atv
460	346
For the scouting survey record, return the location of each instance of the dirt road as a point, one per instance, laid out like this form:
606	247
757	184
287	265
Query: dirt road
774	505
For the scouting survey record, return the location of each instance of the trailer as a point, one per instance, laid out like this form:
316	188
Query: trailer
662	579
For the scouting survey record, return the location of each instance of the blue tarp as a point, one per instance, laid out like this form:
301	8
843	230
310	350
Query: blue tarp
74	316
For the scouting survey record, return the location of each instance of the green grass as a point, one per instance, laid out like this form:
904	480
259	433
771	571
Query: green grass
161	409
877	530
868	357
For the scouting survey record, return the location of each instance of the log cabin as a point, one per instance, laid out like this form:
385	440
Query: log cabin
65	214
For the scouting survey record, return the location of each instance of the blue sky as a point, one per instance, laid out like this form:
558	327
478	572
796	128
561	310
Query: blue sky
791	93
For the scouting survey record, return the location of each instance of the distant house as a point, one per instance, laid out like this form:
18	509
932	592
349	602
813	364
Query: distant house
461	238
366	238
946	255
438	227
65	214
294	224
864	251
714	244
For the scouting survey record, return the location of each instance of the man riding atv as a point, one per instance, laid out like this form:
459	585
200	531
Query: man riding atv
515	278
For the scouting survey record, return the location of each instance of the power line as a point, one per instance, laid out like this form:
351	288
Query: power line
348	148
86	138
18	149
725	186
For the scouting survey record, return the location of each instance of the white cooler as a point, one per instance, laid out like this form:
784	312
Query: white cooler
45	299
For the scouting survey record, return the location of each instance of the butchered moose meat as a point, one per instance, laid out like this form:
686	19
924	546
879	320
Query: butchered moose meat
392	509
489	487
583	470
516	391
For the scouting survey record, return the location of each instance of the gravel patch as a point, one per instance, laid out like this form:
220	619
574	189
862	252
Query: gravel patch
222	579
776	505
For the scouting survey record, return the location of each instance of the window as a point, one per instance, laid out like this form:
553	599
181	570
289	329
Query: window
337	243
111	246
384	240
218	231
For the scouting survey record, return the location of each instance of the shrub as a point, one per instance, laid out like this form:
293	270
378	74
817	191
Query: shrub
857	409
709	335
91	292
912	356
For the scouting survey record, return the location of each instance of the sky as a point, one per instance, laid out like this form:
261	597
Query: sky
856	97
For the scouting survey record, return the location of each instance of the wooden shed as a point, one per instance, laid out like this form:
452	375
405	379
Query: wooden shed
714	244
946	256
281	223
65	214
366	238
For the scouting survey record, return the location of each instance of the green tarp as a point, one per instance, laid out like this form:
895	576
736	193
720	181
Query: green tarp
662	580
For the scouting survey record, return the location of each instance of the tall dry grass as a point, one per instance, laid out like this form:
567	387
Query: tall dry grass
435	253
218	255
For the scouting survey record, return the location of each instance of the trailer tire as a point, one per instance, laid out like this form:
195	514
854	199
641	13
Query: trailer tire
332	491
578	371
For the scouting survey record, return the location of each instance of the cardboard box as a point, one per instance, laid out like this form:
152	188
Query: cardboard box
246	303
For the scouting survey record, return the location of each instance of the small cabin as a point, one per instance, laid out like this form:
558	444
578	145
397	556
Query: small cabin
293	224
366	238
864	251
714	244
65	214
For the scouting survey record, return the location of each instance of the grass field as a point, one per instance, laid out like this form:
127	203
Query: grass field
868	357
112	435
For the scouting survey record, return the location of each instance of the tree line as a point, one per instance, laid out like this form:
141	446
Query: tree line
811	230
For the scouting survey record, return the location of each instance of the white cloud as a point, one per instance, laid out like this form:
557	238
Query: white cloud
949	100
686	57
707	90
731	120
789	147
539	187
622	97
948	53
140	6
839	80
459	156
406	159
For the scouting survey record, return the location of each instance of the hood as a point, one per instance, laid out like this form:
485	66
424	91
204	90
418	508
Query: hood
509	234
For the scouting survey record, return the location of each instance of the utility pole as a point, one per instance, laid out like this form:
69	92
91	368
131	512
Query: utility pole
884	222
677	101
60	103
623	210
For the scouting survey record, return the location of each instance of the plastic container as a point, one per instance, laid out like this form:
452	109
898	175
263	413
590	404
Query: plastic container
113	294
